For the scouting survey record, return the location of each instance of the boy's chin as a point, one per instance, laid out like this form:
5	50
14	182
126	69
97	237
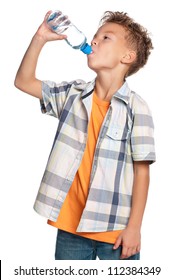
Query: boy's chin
93	67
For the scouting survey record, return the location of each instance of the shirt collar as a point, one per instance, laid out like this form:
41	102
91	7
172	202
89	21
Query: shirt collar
85	87
123	92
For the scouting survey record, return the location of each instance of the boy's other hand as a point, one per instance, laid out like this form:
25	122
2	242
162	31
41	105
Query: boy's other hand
130	239
46	34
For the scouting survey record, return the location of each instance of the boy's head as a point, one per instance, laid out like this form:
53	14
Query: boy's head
136	36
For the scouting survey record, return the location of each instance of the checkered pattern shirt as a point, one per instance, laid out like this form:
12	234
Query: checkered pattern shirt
126	136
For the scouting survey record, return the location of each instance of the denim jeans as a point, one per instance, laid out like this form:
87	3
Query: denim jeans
73	247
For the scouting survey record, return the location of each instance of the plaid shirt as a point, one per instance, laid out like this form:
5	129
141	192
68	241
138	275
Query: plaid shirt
126	135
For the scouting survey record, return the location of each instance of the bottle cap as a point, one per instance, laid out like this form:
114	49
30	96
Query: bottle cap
86	49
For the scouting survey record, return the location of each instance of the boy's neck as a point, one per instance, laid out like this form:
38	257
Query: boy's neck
107	86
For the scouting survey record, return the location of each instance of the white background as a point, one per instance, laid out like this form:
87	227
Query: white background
26	136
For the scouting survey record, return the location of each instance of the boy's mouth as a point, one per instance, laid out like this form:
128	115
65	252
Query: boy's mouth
92	52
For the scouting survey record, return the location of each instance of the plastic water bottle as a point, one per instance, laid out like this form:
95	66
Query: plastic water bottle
60	24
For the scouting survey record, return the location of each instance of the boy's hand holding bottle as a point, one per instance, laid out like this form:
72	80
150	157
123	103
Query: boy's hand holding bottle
45	34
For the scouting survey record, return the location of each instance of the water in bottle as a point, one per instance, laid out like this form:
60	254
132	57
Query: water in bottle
61	24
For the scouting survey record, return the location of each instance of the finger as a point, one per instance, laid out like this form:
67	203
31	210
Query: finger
138	248
54	36
47	15
131	251
61	36
117	243
124	252
134	251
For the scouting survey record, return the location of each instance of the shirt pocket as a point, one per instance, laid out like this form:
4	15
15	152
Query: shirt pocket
117	133
116	141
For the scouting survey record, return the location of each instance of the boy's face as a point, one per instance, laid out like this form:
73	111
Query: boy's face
109	47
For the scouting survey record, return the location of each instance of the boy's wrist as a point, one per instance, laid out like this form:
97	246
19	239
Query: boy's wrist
39	40
134	226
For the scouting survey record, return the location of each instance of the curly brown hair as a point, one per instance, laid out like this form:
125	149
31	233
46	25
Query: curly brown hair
137	38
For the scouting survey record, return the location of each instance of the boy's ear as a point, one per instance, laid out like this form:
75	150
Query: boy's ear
129	57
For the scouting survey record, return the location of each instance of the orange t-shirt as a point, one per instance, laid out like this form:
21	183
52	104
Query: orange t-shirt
75	201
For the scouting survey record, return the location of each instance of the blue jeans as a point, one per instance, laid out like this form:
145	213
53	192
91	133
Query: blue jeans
73	247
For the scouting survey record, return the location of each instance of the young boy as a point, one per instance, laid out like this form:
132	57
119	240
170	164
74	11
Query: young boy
95	185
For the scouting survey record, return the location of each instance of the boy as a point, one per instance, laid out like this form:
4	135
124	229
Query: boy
95	185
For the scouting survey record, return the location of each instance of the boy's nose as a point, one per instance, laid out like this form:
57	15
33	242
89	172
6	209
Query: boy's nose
93	42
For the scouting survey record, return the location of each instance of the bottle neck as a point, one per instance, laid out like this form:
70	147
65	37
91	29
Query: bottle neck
86	49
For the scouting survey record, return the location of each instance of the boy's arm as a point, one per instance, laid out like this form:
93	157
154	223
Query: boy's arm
130	238
26	78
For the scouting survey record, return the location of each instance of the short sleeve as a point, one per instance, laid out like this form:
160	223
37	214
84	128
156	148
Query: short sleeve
53	97
142	135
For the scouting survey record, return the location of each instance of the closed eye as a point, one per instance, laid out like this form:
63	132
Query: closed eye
106	37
